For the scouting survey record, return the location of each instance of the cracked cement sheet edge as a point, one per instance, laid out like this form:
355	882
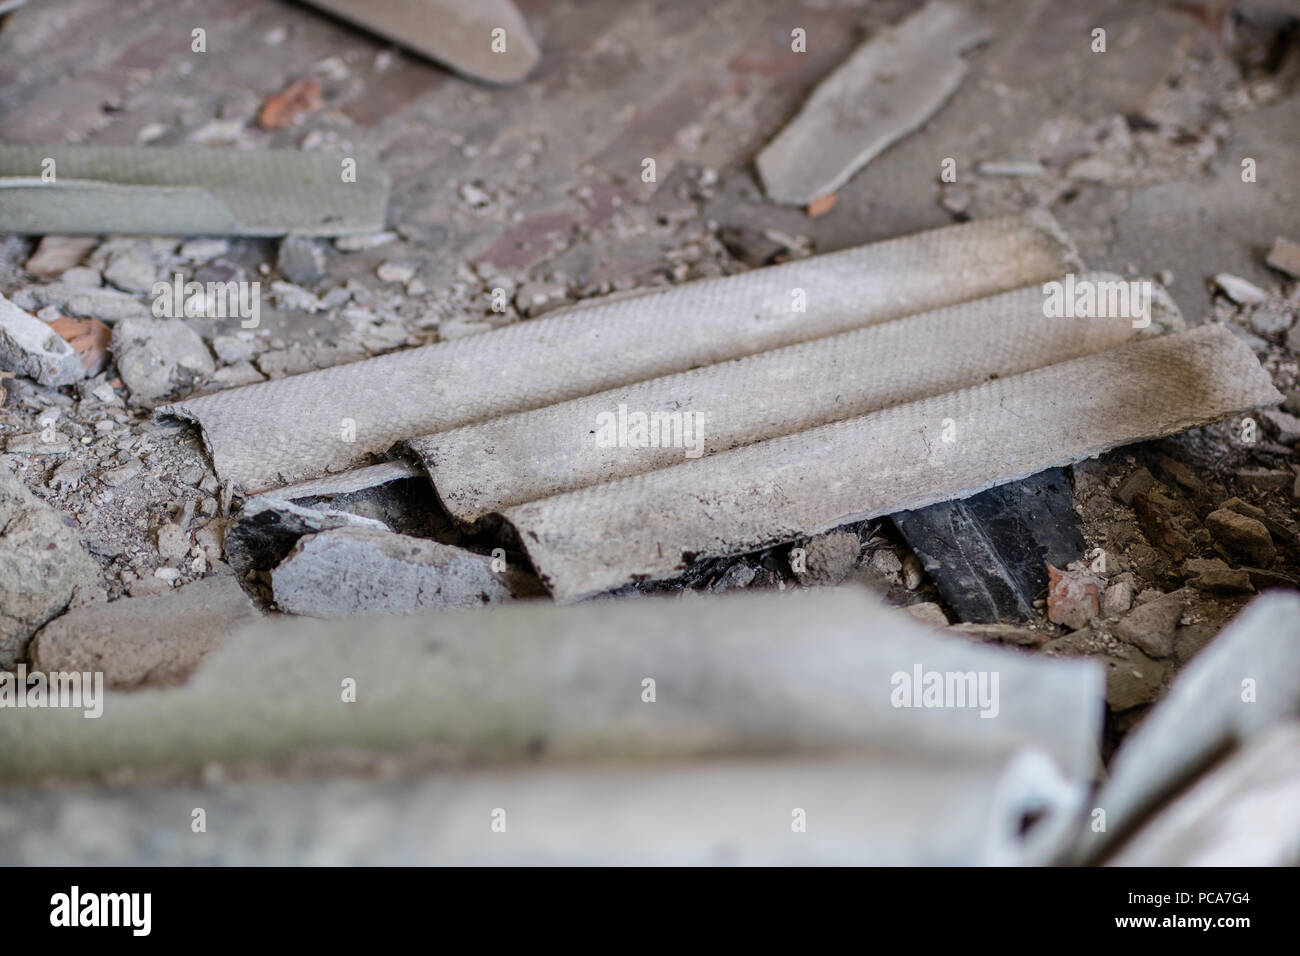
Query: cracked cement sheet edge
457	33
854	114
1243	812
899	810
1204	713
161	191
485	468
291	429
738	674
652	526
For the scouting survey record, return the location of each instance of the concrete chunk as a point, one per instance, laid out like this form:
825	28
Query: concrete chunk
42	566
1285	256
364	571
156	640
30	347
157	356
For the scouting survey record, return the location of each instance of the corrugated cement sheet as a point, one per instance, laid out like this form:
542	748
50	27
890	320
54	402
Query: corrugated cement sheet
654	525
274	433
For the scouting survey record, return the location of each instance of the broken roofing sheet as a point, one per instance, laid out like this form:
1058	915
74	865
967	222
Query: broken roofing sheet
550	686
273	433
895	811
188	192
460	33
890	86
653	525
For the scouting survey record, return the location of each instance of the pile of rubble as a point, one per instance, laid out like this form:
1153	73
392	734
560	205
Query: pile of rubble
211	433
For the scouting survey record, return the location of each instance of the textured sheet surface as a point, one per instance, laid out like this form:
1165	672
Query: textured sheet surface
896	811
507	461
653	525
735	675
301	427
183	192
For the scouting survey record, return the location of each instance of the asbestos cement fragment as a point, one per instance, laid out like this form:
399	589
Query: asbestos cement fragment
483	39
364	571
124	190
746	673
1245	681
1243	812
480	469
655	525
158	356
275	433
31	347
154	640
892	811
43	567
891	85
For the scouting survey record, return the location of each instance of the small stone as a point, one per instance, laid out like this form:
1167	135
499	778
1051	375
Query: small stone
1252	341
1270	321
1215	576
1151	626
286	107
737	576
474	197
170	575
173	543
301	260
534	298
204	250
1247	538
122	473
1118	597
928	613
83	278
821	205
158	356
43	567
131	269
1133	679
66	477
360	243
89	338
233	349
887	564
1072	597
913	572
1284	256
55	255
1283	425
830	558
956	199
292	298
750	246
1266	479
396	271
1137	483
32	348
1239	290
359	570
